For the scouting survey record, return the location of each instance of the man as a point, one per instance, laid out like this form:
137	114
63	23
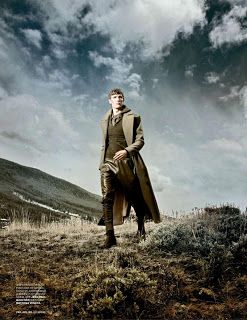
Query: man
124	176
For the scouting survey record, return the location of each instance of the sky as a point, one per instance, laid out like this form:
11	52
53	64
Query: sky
181	64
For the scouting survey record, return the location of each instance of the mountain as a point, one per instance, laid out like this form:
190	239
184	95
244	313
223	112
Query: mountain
29	191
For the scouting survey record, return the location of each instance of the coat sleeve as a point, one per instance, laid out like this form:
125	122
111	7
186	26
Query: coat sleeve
102	149
138	137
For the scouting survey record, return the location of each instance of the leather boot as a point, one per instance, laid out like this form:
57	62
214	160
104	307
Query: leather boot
110	239
141	233
110	236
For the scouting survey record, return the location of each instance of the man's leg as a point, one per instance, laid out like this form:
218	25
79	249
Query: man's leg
139	206
108	181
132	189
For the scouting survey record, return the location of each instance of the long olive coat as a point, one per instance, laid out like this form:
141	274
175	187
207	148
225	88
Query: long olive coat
133	133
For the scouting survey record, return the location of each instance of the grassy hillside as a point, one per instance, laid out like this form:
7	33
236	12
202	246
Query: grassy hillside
19	182
188	268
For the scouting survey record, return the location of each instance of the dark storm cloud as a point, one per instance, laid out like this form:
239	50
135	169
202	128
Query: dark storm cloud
58	35
43	41
195	63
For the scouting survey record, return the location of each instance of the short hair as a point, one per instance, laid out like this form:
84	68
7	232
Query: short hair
115	91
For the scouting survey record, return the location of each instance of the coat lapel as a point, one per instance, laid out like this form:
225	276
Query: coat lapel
104	123
128	122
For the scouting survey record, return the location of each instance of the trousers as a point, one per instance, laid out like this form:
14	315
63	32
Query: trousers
120	174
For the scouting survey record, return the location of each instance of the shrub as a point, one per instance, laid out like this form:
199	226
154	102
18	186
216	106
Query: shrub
102	294
218	262
125	258
239	252
199	234
180	237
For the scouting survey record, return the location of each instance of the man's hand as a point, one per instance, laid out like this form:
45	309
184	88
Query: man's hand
120	155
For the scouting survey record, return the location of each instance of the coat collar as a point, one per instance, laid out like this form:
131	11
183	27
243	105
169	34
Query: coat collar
128	122
108	113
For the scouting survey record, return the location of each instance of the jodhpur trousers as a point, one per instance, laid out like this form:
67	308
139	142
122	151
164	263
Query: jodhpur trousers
120	174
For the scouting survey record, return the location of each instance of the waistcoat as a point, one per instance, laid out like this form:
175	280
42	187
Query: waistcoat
115	139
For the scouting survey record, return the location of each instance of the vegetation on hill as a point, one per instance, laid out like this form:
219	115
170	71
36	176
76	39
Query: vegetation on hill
28	189
193	267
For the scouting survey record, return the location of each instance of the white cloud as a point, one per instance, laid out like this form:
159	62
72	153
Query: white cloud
121	72
24	120
243	98
61	23
3	49
159	181
224	144
5	30
80	99
58	13
120	68
212	77
58	42
134	82
66	93
150	24
49	82
229	30
236	92
33	36
59	79
155	81
243	95
59	53
189	71
3	93
171	159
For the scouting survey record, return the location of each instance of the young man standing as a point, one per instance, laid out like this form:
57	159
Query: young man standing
124	177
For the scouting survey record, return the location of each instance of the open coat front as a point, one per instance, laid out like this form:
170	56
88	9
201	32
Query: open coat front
133	133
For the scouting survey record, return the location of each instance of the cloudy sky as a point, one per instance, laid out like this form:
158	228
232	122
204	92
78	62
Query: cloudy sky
182	65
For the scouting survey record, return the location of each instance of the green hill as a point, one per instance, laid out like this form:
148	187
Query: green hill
29	190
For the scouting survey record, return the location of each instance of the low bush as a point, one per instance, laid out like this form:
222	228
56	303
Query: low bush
105	293
199	234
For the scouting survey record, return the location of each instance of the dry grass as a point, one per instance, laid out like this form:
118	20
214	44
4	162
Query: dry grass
84	281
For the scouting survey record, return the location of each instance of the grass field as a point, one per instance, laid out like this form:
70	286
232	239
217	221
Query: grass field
188	268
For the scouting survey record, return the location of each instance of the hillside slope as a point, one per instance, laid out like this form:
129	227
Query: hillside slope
39	192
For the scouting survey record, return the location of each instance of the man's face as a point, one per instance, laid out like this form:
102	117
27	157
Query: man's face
116	101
